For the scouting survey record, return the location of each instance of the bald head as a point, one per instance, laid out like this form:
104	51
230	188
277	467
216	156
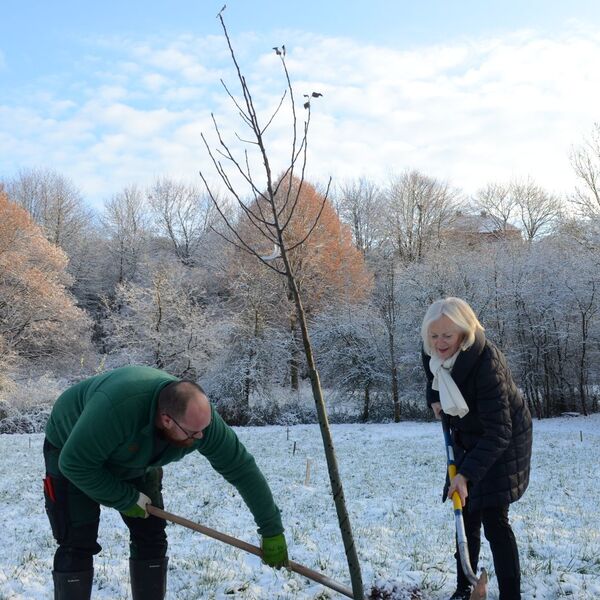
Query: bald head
183	412
175	398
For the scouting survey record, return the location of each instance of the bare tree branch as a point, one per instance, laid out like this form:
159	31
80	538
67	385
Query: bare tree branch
274	113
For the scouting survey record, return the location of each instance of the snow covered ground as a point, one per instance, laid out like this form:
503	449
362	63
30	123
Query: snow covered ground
392	480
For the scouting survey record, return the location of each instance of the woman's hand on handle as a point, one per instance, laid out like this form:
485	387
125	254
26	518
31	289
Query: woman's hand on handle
437	409
459	485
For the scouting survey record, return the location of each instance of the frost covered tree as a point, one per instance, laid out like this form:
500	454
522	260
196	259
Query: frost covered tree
257	343
521	203
162	324
360	204
53	202
417	209
585	160
539	334
539	210
386	303
183	215
496	201
251	365
125	227
352	348
567	312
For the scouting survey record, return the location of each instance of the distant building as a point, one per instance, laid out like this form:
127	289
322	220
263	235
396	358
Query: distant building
477	228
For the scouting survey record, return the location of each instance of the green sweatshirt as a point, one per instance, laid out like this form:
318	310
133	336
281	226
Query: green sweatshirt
104	428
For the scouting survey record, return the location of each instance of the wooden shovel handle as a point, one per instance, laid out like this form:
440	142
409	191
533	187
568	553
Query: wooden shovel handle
223	537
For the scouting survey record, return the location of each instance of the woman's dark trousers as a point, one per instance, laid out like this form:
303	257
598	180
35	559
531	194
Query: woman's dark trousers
503	545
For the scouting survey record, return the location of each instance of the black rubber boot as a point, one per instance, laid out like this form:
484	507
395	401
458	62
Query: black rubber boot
148	578
73	586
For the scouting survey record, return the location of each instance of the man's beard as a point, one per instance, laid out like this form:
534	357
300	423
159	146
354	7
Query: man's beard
164	434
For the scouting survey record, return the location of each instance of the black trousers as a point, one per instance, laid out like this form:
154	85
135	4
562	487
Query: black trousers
75	517
503	545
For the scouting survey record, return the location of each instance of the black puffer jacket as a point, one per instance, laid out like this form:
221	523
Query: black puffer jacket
493	440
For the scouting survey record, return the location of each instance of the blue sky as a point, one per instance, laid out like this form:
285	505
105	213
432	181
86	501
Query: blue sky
115	93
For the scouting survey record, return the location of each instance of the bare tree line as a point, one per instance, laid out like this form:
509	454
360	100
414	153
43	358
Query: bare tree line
121	261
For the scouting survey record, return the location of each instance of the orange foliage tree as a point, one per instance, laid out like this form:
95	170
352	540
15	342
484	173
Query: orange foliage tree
329	269
328	265
38	317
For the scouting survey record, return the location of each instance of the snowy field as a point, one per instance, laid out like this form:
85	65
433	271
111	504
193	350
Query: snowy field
392	480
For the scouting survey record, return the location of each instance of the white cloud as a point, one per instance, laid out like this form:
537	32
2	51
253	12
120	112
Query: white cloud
185	57
155	82
470	111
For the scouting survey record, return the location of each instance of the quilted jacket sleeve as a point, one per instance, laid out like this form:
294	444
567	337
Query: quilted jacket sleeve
493	405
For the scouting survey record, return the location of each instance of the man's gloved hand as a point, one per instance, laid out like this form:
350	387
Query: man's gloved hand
139	508
275	551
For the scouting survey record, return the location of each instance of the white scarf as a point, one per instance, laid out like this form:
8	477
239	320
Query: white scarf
452	400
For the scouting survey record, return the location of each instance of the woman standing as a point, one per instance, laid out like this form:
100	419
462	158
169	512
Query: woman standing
468	378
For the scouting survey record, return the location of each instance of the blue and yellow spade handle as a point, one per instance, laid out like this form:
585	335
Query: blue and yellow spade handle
456	502
479	583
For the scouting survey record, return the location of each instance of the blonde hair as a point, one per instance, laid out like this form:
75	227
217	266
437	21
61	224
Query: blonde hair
459	312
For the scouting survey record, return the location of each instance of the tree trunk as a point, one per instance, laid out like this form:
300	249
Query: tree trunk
294	366
582	367
548	395
395	394
246	397
332	466
248	380
394	376
367	403
158	361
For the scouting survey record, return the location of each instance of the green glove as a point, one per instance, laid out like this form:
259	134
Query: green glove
274	551
139	508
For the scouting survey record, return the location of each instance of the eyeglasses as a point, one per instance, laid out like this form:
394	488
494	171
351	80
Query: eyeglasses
191	435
